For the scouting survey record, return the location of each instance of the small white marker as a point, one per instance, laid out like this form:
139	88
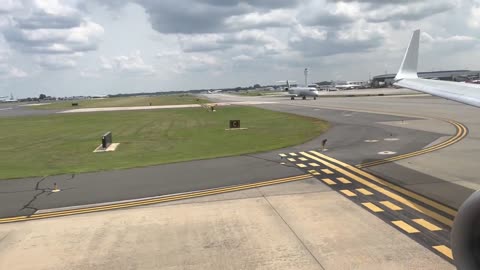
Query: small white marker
387	153
370	141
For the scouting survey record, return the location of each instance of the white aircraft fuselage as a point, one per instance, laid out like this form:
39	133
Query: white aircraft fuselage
303	92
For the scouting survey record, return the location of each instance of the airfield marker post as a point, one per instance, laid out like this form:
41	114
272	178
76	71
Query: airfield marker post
106	139
324	142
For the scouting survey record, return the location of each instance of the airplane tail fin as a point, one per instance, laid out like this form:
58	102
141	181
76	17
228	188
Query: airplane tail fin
408	69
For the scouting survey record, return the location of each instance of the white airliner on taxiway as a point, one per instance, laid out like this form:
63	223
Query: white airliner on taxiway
299	91
465	235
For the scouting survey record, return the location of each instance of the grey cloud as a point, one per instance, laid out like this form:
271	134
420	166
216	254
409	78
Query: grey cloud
413	12
189	16
171	16
41	19
214	42
56	41
332	45
326	19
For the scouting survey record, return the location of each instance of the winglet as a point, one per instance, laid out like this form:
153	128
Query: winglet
408	69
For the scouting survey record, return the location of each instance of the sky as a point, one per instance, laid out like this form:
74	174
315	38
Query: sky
98	47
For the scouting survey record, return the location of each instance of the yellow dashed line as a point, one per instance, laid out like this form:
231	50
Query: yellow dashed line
303	159
392	186
427	224
364	191
404	226
291	159
293	154
348	193
313	164
343	180
314	172
329	181
392	206
444	250
398	198
372	207
327	171
301	165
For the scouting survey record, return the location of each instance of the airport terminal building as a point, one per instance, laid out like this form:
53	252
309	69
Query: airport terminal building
448	75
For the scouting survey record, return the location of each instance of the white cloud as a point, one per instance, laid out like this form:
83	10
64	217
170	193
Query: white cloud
56	62
180	62
7	71
256	20
132	64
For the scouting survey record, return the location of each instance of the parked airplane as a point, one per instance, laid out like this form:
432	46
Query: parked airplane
350	85
6	99
213	91
465	235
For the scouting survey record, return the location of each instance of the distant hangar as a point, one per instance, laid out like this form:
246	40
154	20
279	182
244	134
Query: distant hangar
447	75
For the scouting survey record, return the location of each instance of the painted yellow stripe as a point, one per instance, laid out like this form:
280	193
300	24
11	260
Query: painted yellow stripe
416	153
375	187
404	226
364	191
462	131
303	159
444	250
314	172
394	187
327	171
155	200
282	155
291	159
329	181
348	193
301	165
343	180
313	164
426	224
392	206
293	154
372	207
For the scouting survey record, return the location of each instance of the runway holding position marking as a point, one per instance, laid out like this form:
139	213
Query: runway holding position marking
423	220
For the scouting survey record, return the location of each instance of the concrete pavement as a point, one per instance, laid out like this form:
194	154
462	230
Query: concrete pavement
289	226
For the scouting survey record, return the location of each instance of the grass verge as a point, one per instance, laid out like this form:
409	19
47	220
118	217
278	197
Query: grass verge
63	143
123	102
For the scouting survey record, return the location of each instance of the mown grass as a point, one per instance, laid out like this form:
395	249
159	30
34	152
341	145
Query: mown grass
63	143
124	102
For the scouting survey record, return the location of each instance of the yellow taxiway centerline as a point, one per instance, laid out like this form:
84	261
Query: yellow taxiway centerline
155	200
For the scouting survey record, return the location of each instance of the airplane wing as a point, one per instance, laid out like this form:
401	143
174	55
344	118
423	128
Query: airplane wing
407	77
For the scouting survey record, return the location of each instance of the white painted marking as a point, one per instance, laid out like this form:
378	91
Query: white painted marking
391	139
370	141
135	108
387	153
34	104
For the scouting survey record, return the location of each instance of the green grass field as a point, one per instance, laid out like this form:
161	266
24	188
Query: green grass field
63	143
124	102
